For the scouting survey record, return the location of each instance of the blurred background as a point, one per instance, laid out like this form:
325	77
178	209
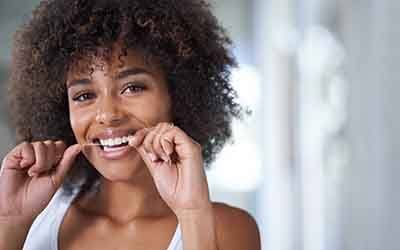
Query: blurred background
317	162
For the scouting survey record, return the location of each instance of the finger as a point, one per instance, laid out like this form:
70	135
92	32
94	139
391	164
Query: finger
27	154
167	146
166	143
40	157
137	139
21	156
65	164
59	151
51	154
184	145
148	143
157	142
176	136
147	158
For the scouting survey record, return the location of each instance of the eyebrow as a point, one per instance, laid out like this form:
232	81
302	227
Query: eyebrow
132	71
120	75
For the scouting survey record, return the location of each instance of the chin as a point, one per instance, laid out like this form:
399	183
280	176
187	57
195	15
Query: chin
121	171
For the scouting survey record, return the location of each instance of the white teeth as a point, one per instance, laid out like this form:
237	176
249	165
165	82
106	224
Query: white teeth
114	141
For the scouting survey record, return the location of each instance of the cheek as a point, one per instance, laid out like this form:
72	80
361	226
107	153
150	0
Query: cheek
74	124
157	112
151	110
78	121
163	106
168	110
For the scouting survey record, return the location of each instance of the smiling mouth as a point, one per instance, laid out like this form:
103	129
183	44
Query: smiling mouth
113	143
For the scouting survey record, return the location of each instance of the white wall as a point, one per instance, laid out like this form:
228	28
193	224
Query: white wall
371	204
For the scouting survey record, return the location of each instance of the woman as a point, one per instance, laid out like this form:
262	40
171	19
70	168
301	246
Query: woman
118	105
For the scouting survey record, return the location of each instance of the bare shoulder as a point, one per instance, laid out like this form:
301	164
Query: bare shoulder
236	228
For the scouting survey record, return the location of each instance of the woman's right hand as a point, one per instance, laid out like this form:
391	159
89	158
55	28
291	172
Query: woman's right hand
29	177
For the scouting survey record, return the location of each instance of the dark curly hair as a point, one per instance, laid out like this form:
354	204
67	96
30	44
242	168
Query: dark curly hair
181	35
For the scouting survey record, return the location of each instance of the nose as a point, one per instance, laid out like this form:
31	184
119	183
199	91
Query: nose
109	112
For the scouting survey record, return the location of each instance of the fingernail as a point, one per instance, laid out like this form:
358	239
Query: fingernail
165	139
167	149
24	164
76	150
152	157
165	158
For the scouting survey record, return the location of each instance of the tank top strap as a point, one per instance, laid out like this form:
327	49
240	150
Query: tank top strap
43	234
176	242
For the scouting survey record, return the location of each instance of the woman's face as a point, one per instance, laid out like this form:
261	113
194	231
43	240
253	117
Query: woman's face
111	103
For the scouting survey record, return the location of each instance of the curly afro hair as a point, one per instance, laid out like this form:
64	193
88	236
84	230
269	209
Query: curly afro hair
182	35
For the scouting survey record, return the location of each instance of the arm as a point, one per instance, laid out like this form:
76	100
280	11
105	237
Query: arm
199	230
222	227
13	235
27	186
176	165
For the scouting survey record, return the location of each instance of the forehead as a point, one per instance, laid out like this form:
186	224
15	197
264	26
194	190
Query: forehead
112	61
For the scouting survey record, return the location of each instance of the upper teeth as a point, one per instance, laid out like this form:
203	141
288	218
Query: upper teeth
114	141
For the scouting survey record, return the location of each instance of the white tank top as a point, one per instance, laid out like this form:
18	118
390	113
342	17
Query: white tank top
43	234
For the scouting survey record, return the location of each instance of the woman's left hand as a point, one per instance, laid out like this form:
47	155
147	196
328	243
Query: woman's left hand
175	161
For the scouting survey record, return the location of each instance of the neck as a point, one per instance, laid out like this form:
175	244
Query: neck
123	202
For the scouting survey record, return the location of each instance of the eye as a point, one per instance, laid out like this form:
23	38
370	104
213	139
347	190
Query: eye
133	88
83	97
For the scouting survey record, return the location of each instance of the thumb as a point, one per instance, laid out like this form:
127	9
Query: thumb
65	164
146	158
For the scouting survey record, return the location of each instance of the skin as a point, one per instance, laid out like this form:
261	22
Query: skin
160	183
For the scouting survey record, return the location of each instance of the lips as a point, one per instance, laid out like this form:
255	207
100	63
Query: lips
113	143
115	153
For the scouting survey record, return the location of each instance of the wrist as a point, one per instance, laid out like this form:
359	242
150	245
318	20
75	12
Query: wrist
198	228
15	222
192	213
